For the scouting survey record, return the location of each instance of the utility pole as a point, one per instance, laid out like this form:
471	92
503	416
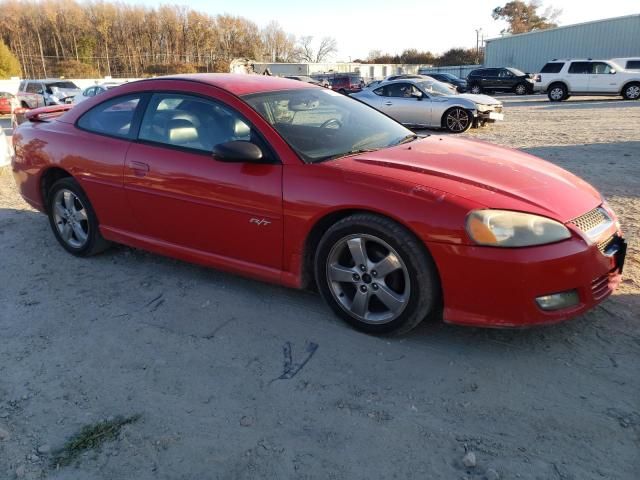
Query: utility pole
478	30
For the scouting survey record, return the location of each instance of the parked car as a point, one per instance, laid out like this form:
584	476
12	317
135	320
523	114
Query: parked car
287	182
428	103
458	83
8	102
628	63
5	149
93	91
346	84
499	80
560	79
39	93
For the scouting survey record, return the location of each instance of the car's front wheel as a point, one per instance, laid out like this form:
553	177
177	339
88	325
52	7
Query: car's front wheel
457	120
376	275
73	220
521	89
557	93
631	91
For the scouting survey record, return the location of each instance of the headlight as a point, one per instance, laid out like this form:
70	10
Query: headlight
503	228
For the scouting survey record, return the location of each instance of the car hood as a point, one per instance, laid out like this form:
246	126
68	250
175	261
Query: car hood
61	93
480	99
489	175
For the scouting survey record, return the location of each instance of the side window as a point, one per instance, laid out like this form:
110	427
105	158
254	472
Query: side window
90	92
113	117
23	84
580	68
191	122
33	87
505	74
633	65
601	68
401	90
553	67
379	91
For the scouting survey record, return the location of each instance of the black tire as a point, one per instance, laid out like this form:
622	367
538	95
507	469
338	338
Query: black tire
423	282
521	89
631	91
453	126
24	104
476	89
342	91
94	242
557	92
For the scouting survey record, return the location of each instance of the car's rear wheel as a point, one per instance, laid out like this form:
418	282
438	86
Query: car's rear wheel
376	275
557	92
631	91
457	120
475	89
520	89
73	220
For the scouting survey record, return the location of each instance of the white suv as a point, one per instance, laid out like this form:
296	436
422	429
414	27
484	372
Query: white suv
562	78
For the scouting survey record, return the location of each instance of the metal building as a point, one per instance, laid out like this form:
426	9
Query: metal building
601	39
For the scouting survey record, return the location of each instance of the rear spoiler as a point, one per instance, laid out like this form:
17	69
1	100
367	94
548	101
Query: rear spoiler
43	114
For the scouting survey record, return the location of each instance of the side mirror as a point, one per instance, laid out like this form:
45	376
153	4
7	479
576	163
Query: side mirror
612	71
238	151
417	95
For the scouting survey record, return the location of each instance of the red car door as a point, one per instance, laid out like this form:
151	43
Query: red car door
182	196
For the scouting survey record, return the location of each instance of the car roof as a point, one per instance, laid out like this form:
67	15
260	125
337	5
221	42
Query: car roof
238	84
407	80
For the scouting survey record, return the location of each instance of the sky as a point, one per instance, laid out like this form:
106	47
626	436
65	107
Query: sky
392	26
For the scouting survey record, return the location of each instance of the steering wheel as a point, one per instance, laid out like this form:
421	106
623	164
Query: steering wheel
331	121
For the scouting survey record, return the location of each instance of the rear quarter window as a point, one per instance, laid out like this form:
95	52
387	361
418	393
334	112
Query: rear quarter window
113	117
633	65
553	67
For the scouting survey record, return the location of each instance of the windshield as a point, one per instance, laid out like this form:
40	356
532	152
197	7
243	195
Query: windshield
433	88
70	85
516	72
320	124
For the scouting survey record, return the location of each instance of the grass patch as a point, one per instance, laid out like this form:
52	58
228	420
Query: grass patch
90	437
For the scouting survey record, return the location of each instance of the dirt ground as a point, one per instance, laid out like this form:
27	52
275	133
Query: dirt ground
235	379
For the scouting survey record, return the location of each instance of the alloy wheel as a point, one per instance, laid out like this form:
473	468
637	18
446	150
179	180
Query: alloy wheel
70	218
521	89
457	120
556	93
368	278
633	92
476	90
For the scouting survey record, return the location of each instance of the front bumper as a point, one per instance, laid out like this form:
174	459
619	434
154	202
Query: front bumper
498	287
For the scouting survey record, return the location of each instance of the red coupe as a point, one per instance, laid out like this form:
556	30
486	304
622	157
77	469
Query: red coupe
295	184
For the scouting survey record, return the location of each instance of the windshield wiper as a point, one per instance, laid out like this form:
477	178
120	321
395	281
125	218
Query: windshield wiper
406	139
355	151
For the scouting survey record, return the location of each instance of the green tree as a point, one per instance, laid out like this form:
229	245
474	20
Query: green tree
523	17
9	64
459	56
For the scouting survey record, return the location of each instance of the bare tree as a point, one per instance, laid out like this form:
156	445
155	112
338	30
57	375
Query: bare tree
328	46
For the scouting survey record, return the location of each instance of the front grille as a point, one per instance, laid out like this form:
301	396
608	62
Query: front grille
600	287
591	220
603	245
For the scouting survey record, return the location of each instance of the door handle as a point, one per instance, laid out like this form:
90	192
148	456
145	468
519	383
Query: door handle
140	169
388	103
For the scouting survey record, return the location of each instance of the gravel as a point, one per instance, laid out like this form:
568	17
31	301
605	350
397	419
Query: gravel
86	339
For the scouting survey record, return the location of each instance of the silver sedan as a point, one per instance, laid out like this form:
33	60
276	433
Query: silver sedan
427	103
